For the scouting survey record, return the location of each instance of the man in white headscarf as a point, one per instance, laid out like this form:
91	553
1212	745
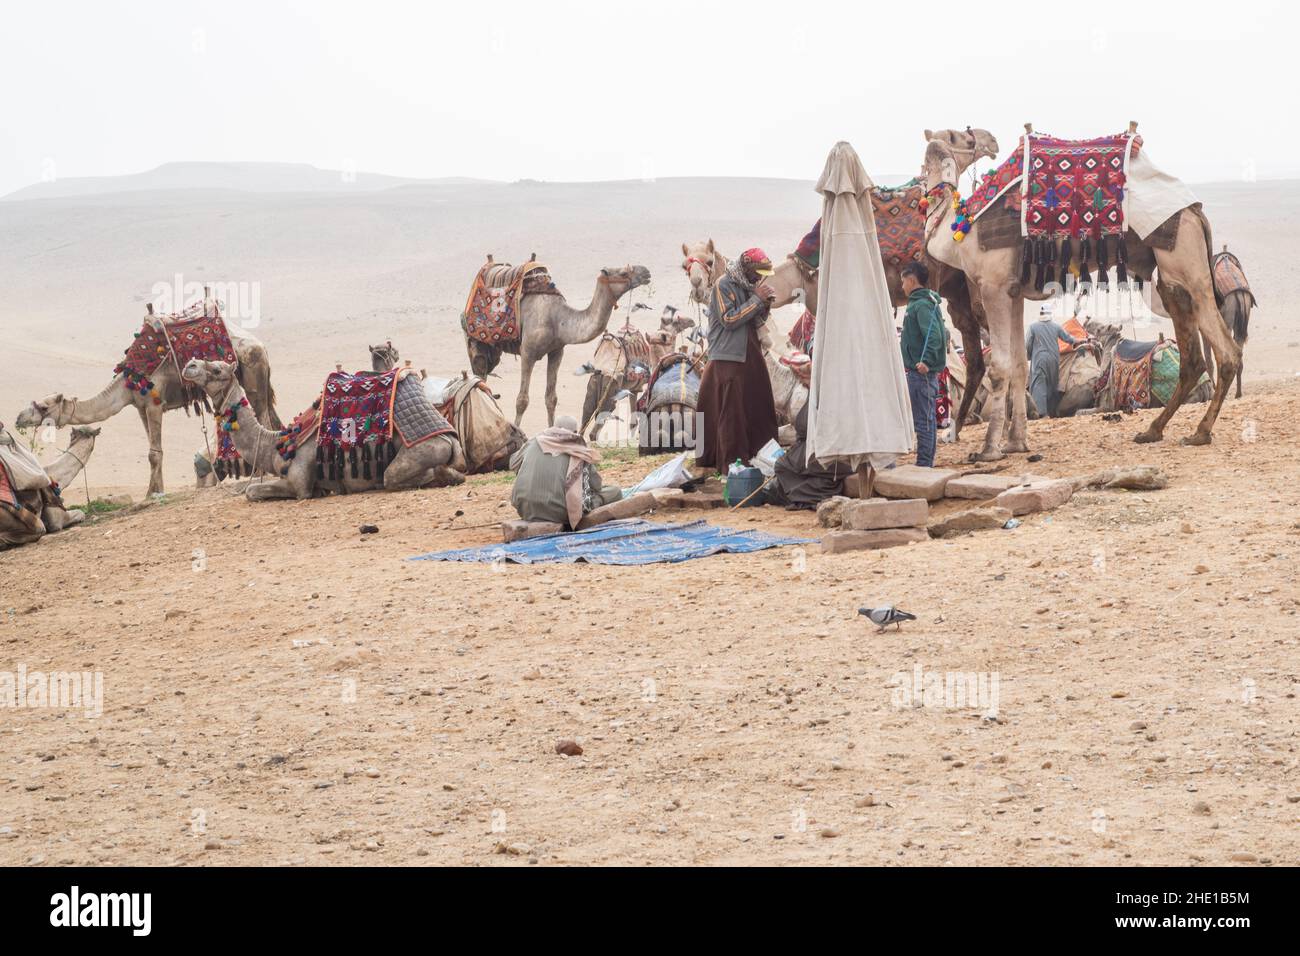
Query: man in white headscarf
556	477
1045	360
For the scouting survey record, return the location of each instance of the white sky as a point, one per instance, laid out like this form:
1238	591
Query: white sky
615	90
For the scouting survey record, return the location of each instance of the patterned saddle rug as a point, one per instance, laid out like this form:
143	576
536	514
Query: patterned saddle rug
900	224
1064	191
359	416
900	229
491	313
197	333
1145	379
1229	277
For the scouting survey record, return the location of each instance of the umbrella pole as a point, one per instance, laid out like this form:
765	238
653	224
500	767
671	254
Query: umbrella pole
866	481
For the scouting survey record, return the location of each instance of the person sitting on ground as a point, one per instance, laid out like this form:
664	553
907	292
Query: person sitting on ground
1045	360
556	477
925	349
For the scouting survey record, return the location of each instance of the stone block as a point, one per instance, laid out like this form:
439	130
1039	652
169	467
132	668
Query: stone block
876	513
910	481
838	542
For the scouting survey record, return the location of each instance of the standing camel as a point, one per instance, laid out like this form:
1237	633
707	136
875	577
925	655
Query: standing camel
1185	287
548	324
254	374
437	461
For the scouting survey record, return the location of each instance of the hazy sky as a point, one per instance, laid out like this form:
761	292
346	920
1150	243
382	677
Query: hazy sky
614	90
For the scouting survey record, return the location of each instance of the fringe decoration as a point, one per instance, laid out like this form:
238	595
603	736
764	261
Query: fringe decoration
365	462
1063	273
1103	266
1026	260
219	469
1085	274
320	462
1040	257
352	460
1121	262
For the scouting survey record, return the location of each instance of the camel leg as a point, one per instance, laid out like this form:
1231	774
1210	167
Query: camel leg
1227	366
268	490
526	363
1018	439
256	379
151	417
553	361
1191	360
416	468
998	308
973	351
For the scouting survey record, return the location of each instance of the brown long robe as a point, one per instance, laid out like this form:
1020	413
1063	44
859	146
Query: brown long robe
737	409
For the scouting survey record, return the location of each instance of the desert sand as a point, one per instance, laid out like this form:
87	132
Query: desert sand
279	689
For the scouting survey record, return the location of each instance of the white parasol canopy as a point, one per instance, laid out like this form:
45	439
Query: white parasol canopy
858	409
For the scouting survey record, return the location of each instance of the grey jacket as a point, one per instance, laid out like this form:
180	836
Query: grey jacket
731	309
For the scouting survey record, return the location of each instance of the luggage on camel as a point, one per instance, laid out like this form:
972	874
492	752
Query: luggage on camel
487	437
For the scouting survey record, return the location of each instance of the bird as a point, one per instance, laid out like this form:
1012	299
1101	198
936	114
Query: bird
586	368
882	617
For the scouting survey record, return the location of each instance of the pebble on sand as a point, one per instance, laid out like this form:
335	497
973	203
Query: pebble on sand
568	748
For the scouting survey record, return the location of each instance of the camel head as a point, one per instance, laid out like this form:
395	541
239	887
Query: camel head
965	146
83	440
793	283
483	358
674	323
52	408
215	378
703	266
383	357
622	279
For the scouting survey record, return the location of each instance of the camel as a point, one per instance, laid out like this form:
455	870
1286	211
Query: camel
42	512
607	385
254	374
1185	287
487	438
438	461
703	266
1235	300
548	324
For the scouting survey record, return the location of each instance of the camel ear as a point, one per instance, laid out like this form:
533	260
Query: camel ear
605	273
685	251
710	246
929	135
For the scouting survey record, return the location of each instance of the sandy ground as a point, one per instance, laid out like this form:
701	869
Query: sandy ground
309	696
279	689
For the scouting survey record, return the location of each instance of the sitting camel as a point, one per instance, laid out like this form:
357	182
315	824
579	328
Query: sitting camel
617	373
438	461
40	511
254	374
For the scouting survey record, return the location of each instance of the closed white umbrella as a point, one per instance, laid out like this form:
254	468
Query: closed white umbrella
858	409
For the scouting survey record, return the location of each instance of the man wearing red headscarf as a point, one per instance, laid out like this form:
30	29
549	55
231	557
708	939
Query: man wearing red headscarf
737	412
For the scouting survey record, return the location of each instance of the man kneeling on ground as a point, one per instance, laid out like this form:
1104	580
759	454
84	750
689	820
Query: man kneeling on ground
556	478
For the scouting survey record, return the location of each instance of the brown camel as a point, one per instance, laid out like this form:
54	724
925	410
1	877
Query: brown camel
548	324
254	374
1185	287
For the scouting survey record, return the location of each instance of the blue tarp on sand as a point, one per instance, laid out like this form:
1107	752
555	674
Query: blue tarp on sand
633	541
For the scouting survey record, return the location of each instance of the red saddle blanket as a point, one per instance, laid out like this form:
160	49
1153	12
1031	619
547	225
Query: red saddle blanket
492	312
900	224
1229	276
1075	187
197	333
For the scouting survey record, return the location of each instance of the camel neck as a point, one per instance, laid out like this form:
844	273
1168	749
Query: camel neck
254	443
582	326
103	406
67	466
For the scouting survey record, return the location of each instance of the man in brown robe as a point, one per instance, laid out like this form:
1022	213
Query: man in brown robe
738	415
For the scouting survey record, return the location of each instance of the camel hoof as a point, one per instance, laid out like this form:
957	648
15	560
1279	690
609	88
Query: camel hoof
1197	438
1016	448
1146	438
986	456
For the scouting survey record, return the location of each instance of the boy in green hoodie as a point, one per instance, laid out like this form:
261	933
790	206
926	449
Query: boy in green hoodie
925	348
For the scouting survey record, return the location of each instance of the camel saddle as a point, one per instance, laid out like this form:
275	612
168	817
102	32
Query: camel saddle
675	381
492	311
1229	277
